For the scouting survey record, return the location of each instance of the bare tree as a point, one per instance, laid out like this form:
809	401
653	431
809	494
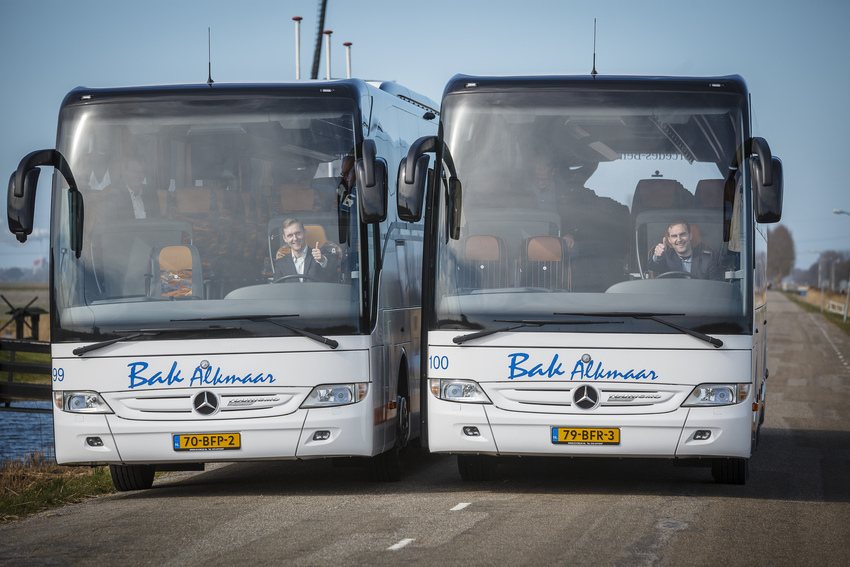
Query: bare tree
780	253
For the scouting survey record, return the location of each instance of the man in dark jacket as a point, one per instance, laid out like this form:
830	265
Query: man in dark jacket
129	198
676	254
303	260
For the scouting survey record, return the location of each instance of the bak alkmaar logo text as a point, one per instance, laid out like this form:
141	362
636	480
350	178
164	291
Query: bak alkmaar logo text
520	367
140	376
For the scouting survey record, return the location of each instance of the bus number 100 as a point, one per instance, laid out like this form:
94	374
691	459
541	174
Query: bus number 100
439	362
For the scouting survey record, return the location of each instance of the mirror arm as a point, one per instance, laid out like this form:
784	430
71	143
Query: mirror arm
760	147
370	153
43	157
55	159
421	146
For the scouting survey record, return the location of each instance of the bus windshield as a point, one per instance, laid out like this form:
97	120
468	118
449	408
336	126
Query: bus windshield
558	203
229	210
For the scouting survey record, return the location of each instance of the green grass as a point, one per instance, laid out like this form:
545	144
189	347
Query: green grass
35	484
28	357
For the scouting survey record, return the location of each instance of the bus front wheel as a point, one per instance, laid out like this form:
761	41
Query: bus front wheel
476	467
132	477
730	471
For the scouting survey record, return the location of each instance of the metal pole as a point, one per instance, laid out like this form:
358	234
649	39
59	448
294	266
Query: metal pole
347	45
328	51
318	52
297	21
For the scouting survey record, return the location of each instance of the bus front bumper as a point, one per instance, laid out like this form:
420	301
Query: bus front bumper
485	429
314	433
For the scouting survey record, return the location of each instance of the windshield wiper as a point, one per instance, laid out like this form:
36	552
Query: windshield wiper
80	351
460	339
717	343
269	319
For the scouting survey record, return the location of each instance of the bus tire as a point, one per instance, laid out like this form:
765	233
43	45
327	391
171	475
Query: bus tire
132	477
402	429
386	467
730	471
476	467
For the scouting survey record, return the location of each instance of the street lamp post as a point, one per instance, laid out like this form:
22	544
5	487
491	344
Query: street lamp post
820	277
847	291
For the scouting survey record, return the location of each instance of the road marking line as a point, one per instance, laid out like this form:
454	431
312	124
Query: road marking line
400	544
460	506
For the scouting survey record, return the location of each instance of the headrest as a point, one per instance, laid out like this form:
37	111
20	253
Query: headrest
194	199
709	194
297	197
314	233
660	194
545	249
696	235
483	248
175	258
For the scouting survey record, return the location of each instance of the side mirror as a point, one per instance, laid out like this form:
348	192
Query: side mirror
766	172
366	164
455	202
20	203
75	206
768	198
372	199
411	196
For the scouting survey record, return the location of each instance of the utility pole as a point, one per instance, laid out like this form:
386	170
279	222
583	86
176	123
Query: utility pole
317	54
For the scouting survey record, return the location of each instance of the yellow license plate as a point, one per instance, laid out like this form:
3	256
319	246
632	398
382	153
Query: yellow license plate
586	435
208	442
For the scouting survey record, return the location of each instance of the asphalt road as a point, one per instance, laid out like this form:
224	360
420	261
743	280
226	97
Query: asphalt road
794	510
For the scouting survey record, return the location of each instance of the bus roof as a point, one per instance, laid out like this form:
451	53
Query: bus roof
468	83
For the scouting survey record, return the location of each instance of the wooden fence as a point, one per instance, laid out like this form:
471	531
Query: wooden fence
16	391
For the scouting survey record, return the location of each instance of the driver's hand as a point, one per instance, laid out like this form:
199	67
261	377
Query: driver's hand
317	253
659	249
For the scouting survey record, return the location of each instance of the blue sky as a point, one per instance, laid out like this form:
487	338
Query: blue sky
792	54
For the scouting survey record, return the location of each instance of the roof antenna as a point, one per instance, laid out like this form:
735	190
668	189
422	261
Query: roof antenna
593	72
209	58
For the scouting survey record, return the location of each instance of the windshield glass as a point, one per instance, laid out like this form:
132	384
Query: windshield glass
209	208
562	201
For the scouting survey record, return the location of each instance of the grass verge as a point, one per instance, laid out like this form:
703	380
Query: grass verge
35	483
27	357
834	318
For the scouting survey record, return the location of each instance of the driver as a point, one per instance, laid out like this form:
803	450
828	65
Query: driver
302	260
675	254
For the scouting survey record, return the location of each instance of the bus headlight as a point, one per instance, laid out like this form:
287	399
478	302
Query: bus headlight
467	391
81	402
329	395
717	395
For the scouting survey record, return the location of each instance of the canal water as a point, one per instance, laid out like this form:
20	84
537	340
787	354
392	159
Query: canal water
22	433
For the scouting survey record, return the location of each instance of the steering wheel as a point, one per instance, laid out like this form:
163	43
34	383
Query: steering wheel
673	274
293	277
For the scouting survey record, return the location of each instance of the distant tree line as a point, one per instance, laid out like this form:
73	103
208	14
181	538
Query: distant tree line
780	253
830	269
39	274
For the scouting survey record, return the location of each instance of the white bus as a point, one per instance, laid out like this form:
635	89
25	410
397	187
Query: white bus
554	323
182	329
